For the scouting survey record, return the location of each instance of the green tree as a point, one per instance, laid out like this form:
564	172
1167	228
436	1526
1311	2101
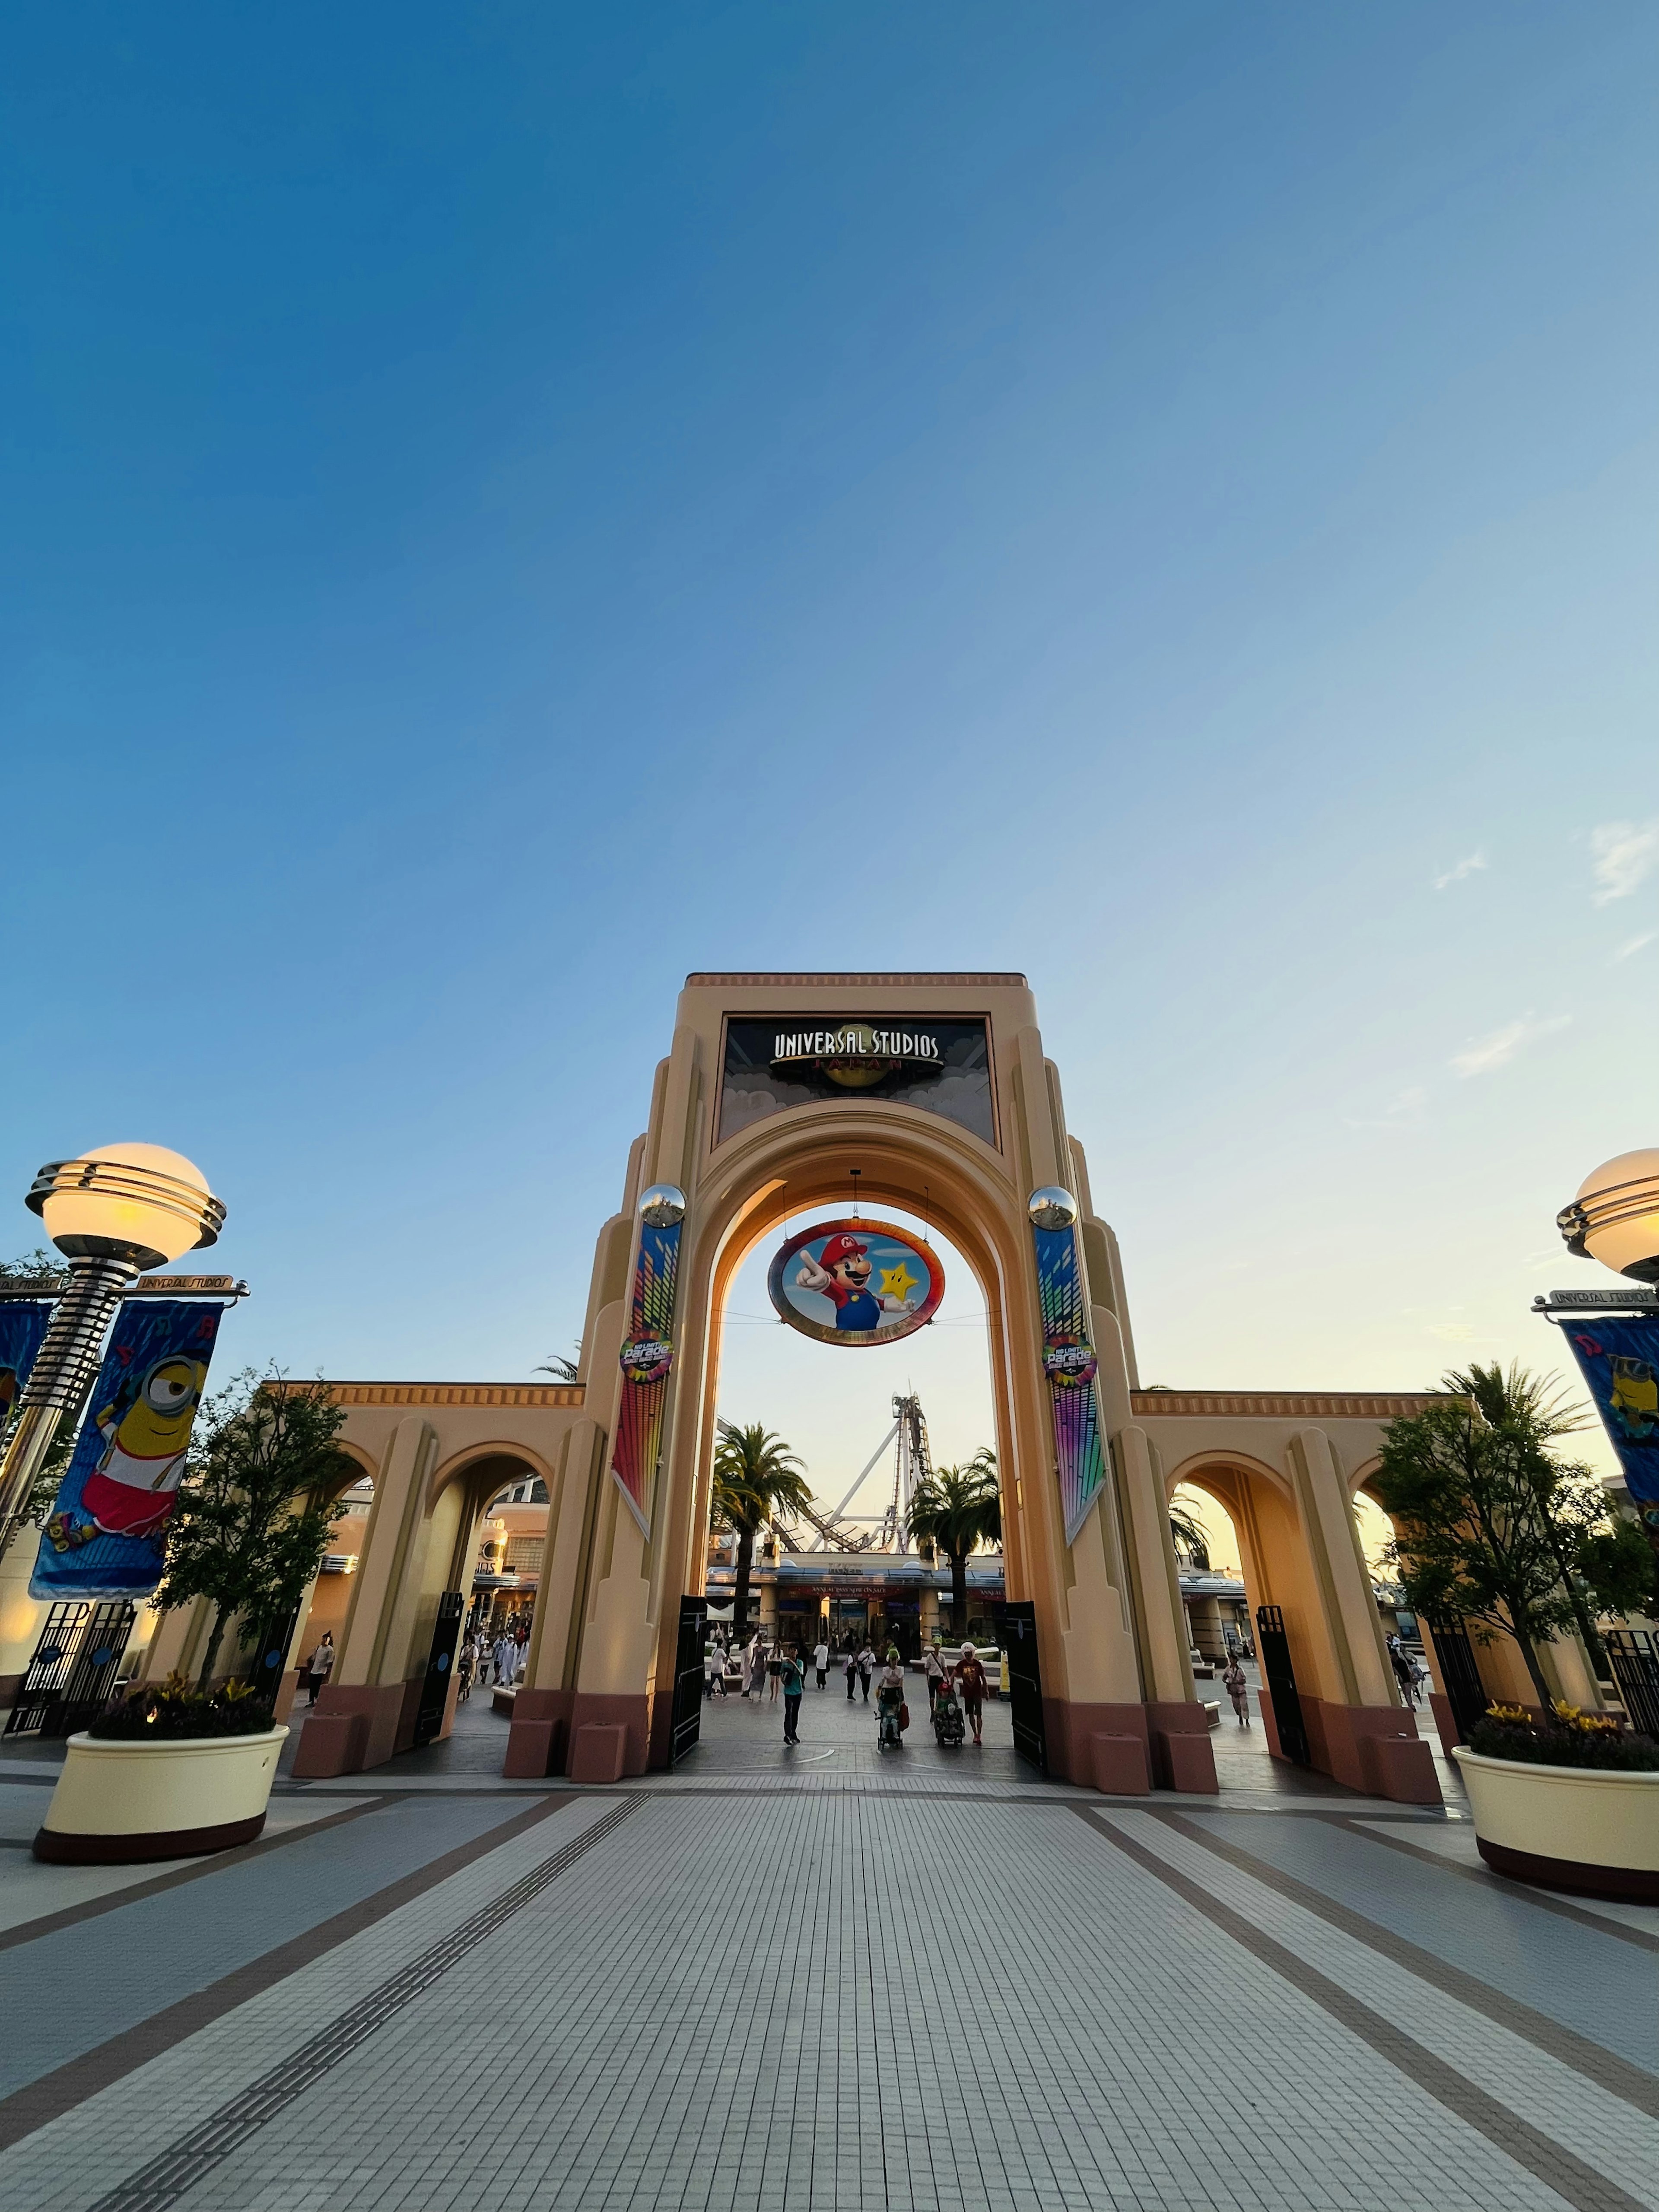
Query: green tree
1189	1535
957	1509
755	1478
256	1502
45	1272
1492	1528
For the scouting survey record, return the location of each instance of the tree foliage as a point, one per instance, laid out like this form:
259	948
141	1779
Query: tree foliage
257	1503
1189	1534
756	1478
957	1509
1493	1529
49	1273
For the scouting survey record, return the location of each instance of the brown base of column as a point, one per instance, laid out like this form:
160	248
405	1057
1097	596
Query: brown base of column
1634	1885
1450	1735
351	1727
1374	1748
537	1743
58	1849
632	1714
1086	1743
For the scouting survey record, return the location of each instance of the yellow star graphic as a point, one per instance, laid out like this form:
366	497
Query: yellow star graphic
898	1282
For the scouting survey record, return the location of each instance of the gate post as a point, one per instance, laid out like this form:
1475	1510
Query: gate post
1359	1732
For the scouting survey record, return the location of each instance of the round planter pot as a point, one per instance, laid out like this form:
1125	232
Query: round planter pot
117	1803
1575	1828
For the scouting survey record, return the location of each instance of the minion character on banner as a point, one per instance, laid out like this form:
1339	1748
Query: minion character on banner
131	1491
105	1536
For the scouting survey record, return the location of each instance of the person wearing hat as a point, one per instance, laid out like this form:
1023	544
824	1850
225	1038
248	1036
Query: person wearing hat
842	1274
971	1682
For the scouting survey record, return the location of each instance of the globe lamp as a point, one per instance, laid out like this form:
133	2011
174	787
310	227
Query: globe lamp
1615	1217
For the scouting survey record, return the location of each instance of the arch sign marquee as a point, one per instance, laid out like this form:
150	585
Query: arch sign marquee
855	1282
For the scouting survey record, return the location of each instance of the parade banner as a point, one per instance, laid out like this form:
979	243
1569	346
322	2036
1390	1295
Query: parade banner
647	1354
107	1534
1620	1361
22	1331
1068	1361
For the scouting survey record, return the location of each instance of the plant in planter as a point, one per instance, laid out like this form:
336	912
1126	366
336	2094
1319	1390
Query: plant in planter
179	1767
1494	1528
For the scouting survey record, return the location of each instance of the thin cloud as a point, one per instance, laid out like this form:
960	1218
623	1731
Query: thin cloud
1482	1054
1467	866
1403	1111
1623	854
1634	944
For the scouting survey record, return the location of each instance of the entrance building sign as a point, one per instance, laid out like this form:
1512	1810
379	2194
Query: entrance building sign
855	1282
790	1059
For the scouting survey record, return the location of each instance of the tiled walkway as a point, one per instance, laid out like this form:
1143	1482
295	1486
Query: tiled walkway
923	1983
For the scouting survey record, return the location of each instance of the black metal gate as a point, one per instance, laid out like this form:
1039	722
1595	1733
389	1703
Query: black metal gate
1275	1650
266	1648
440	1662
1464	1693
1636	1670
69	1680
1016	1626
688	1676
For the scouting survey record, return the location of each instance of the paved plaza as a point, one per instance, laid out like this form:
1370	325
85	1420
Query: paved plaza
830	1978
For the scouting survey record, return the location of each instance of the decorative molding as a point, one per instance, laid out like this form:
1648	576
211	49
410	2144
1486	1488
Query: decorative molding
533	1394
1286	1404
701	981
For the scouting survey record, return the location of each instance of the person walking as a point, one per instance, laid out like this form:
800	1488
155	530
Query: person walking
756	1667
714	1666
1238	1689
850	1669
821	1662
503	1659
775	1669
794	1675
320	1665
866	1669
933	1668
464	1674
1402	1670
971	1684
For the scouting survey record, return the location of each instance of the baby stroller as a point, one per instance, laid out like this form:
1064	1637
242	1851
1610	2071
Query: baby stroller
947	1714
890	1703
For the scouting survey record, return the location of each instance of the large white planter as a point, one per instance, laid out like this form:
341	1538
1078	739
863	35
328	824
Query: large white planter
1565	1827
118	1802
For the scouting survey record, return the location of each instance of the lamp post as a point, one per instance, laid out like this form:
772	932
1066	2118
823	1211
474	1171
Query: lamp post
118	1210
1615	1217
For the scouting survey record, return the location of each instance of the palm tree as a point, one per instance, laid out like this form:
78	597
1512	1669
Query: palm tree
1535	1412
1189	1535
756	1475
957	1509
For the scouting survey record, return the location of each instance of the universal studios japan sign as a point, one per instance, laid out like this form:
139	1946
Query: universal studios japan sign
856	1054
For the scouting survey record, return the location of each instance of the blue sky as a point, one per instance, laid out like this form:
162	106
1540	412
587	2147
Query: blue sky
504	506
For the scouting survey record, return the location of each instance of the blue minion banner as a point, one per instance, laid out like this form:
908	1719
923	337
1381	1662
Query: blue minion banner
22	1331
1621	1364
107	1533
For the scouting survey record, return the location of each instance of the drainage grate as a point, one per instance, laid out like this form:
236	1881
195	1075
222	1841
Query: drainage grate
166	2178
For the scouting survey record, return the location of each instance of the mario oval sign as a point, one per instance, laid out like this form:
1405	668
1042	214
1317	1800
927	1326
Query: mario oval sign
855	1282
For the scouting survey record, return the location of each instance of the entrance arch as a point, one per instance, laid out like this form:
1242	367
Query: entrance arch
749	1123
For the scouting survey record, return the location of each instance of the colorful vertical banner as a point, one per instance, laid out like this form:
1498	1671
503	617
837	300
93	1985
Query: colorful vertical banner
647	1354
1620	1360
1068	1361
22	1331
107	1532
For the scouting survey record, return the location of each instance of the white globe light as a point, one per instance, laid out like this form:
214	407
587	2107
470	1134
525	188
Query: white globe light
1615	1217
137	1202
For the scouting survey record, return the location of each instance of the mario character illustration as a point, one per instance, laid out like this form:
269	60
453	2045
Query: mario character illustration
842	1274
131	1491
